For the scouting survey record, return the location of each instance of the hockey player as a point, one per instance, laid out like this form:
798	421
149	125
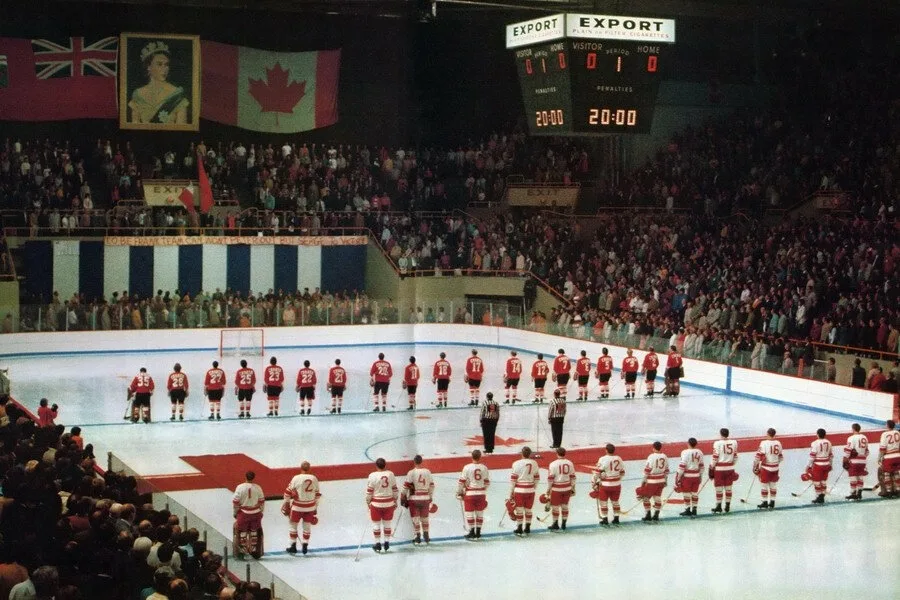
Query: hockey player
177	385
380	379
139	393
214	388
561	370
273	384
248	504
651	364
607	484
441	376
560	487
381	498
766	465
472	492
474	373
539	372
656	471
524	477
244	388
306	388
629	373
856	452
418	491
301	503
604	372
583	373
337	383
411	381
511	377
674	364
687	478
889	461
819	465
721	469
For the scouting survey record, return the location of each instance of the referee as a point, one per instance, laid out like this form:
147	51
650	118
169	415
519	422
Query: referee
556	416
490	414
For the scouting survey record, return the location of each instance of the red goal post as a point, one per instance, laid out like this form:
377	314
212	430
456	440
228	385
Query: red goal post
242	342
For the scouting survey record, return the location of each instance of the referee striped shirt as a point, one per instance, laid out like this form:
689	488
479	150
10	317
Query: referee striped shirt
557	408
490	410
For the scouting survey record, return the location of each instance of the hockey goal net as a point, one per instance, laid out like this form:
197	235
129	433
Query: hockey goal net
242	342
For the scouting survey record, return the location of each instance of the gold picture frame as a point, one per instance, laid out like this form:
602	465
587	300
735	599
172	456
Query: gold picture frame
159	82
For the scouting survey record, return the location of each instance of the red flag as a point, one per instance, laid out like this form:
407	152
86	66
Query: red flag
206	195
187	198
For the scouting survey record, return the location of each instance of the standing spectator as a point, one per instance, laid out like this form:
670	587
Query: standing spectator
831	371
858	375
4	385
47	413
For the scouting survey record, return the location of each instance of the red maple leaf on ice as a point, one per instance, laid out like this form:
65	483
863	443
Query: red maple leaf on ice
277	94
477	440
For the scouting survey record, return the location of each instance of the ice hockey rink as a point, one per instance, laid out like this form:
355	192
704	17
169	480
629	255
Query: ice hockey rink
796	551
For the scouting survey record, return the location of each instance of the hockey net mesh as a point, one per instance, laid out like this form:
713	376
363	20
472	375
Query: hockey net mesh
242	342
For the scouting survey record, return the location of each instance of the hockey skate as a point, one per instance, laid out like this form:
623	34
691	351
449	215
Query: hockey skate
615	520
718	508
554	527
656	517
764	505
377	547
471	535
647	518
685	513
417	540
527	528
728	507
292	549
563	526
387	546
304	549
426	537
519	532
604	522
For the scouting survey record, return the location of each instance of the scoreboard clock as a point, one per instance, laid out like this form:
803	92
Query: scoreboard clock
591	74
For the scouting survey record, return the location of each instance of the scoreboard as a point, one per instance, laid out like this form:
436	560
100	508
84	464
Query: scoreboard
591	74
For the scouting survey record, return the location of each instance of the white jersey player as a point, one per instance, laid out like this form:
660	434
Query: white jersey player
560	487
418	491
687	477
766	465
381	497
856	452
889	461
524	477
656	471
301	502
721	469
248	504
819	465
607	483
472	490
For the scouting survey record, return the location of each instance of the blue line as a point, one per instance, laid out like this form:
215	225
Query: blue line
728	379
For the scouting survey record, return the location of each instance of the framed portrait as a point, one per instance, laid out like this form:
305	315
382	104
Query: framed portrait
159	82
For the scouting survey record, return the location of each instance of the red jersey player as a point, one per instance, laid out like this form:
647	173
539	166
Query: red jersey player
177	385
380	373
607	484
855	454
721	469
214	388
583	373
474	373
561	369
820	456
766	465
673	372
306	388
273	384
629	373
651	364
244	387
687	478
511	377
139	393
337	383
381	497
889	461
411	381
656	471
539	371
441	376
524	477
604	372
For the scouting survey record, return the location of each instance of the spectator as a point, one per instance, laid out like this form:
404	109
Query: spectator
831	370
47	413
858	375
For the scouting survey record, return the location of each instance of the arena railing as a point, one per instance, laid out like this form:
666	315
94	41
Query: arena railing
235	570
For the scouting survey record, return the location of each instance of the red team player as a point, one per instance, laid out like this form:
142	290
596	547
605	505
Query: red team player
560	488
380	379
687	477
649	368
889	461
177	385
337	383
524	477
511	377
244	387
411	381
583	373
855	454
440	375
474	373
821	455
539	371
629	373
766	465
214	388
273	384
306	388
604	372
472	491
674	364
656	471
721	469
418	491
607	484
301	503
561	369
381	498
139	393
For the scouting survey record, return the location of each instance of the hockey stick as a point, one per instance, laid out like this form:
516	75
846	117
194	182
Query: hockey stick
633	506
666	499
806	489
500	522
462	511
834	485
396	524
361	540
873	488
747	497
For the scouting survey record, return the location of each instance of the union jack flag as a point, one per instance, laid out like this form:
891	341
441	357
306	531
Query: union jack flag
77	57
